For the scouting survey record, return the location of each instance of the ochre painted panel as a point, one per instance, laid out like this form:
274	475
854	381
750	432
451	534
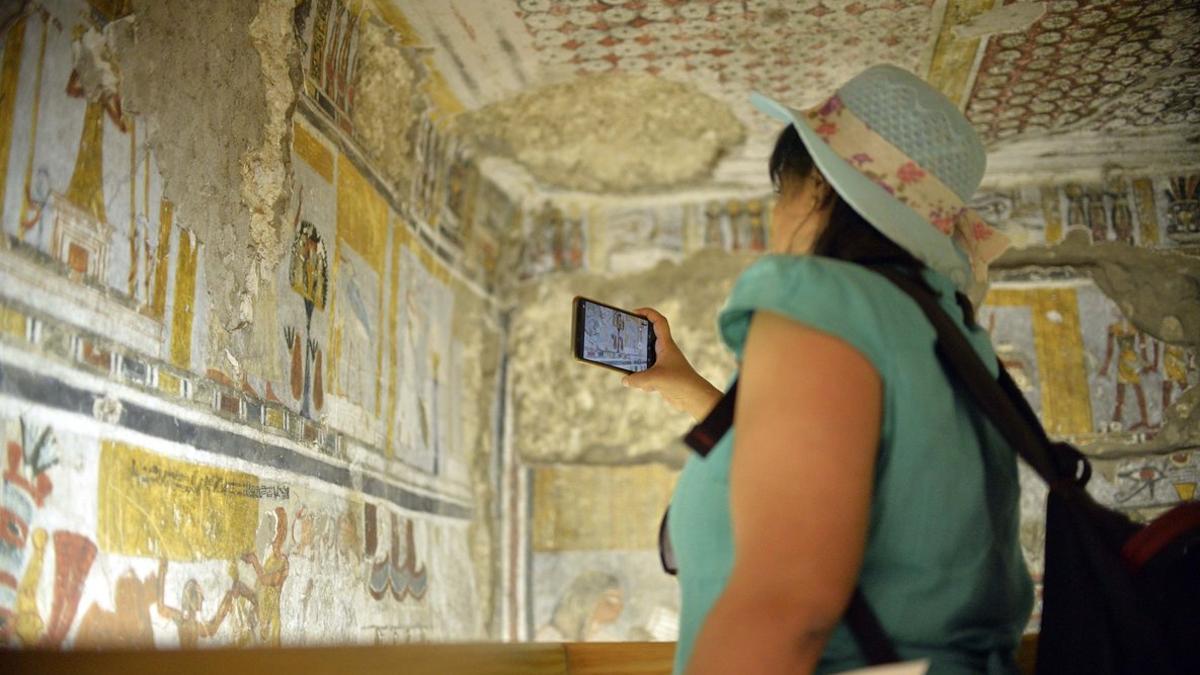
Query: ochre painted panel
361	215
10	67
313	152
599	508
151	505
1058	344
953	57
185	296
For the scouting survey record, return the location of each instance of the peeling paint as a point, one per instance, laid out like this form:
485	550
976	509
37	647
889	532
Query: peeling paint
216	97
385	110
1155	289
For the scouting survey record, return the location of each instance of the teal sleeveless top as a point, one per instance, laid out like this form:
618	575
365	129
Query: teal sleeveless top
942	568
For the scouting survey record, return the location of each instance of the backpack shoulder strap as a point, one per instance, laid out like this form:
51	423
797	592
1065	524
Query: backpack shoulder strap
705	435
998	398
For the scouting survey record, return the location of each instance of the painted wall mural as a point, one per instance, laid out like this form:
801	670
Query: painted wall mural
316	486
332	56
616	238
1085	369
440	203
82	197
609	237
1092	378
555	241
1151	211
149	565
320	485
595	572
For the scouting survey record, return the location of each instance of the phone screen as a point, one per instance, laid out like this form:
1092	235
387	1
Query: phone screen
612	337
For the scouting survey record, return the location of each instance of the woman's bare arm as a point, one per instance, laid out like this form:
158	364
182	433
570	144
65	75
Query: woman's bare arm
672	376
808	422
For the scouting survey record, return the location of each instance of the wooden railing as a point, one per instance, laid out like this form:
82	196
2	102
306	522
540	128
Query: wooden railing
592	658
549	658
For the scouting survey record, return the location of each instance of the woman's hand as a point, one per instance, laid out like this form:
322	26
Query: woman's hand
671	376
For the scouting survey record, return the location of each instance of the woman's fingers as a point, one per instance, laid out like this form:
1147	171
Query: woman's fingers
662	329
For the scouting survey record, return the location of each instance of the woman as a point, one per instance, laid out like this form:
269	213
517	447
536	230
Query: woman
852	460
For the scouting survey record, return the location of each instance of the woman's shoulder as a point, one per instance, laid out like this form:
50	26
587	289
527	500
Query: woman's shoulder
848	300
802	286
840	298
811	273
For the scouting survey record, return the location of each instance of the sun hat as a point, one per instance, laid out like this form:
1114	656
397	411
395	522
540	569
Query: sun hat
903	156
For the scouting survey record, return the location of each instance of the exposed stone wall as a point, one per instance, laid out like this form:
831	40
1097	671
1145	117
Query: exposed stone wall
220	130
249	356
680	258
606	133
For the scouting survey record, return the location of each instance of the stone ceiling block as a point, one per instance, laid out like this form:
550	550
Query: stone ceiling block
614	132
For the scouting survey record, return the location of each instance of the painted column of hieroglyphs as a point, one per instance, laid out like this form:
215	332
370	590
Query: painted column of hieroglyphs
319	482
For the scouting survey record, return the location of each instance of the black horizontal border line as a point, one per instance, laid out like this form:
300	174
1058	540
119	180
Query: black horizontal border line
54	393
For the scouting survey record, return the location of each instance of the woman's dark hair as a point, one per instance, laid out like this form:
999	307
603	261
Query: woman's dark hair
849	236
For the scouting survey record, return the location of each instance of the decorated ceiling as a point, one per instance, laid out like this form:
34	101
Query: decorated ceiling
1051	82
1110	67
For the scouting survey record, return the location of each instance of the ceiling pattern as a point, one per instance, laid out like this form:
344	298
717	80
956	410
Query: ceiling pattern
1108	67
1087	83
796	51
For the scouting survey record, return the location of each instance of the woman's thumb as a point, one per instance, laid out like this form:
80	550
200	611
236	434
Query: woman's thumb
662	328
643	380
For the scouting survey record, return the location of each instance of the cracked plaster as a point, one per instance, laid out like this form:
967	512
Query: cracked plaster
479	331
1158	290
217	86
385	111
618	132
92	56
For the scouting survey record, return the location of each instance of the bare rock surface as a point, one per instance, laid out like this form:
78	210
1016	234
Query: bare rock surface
566	411
618	132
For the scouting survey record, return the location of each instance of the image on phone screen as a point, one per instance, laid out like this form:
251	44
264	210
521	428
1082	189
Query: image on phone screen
611	337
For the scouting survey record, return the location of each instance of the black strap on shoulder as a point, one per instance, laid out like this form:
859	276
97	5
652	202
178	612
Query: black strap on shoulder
876	647
998	398
705	435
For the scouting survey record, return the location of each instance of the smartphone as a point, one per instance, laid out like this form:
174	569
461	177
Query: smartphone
610	337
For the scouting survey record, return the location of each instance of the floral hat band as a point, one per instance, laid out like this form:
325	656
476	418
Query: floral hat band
907	160
912	185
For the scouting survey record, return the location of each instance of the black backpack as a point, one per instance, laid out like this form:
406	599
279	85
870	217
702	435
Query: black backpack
1118	597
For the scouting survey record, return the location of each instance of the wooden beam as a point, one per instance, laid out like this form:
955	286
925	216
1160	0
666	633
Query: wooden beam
625	658
414	659
529	658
